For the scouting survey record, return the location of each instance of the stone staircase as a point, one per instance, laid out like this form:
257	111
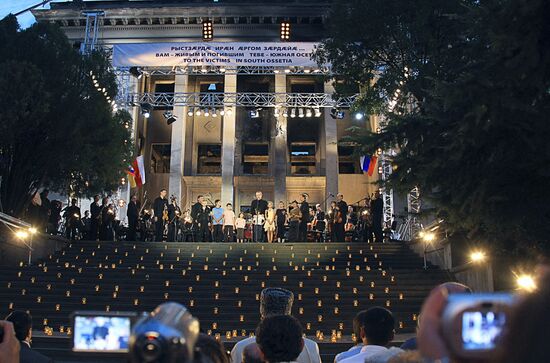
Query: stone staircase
220	283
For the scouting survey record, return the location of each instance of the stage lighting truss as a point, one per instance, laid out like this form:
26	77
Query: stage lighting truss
303	101
220	70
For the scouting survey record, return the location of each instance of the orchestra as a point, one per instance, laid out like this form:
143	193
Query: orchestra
210	222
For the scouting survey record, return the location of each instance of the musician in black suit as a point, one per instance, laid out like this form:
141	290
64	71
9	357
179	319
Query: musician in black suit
132	213
195	209
95	211
258	208
174	214
377	209
204	220
22	324
159	206
339	233
304	209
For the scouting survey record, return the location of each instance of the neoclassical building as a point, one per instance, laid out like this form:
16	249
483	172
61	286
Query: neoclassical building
234	102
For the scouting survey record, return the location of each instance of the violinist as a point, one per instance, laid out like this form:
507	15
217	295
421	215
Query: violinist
174	214
338	223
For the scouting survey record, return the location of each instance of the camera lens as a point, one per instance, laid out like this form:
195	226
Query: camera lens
151	349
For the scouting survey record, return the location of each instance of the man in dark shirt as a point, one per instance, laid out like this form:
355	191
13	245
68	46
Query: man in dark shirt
132	213
72	220
159	205
22	325
95	211
203	223
258	207
304	209
174	213
339	233
377	208
195	209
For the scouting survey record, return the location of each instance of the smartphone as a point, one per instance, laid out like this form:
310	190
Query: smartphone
102	332
473	324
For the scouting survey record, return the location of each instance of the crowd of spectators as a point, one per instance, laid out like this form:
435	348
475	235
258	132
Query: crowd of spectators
280	337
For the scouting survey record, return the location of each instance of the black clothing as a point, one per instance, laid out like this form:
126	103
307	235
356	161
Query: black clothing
45	213
377	208
195	209
158	206
133	215
281	218
95	212
106	229
304	208
293	231
343	206
258	207
28	355
72	220
203	219
320	218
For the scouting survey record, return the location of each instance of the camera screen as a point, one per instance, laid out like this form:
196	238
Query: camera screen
481	330
101	333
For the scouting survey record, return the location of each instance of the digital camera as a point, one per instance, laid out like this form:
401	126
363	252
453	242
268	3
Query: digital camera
474	323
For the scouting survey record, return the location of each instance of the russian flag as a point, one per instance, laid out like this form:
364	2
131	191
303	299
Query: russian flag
368	163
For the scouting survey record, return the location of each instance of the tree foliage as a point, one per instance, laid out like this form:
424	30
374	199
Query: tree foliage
56	129
470	122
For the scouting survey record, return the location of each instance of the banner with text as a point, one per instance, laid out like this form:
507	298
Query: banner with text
214	54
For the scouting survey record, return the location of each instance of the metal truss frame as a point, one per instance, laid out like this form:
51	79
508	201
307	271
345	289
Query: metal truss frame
386	168
220	70
245	99
91	31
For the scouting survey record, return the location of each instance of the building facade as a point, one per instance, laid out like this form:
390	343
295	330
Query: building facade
238	128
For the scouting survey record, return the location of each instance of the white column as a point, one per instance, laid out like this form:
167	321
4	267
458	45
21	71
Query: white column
281	149
228	144
331	147
177	147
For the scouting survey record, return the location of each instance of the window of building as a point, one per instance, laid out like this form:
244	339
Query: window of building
255	158
164	87
160	158
302	158
209	159
348	163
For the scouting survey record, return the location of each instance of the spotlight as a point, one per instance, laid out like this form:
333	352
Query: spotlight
336	113
317	112
254	113
277	112
214	113
207	31
229	111
222	69
285	113
285	30
428	237
293	113
146	110
222	112
170	118
33	230
21	234
190	112
526	282
478	256
359	116
198	112
136	72
309	113
301	112
206	113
